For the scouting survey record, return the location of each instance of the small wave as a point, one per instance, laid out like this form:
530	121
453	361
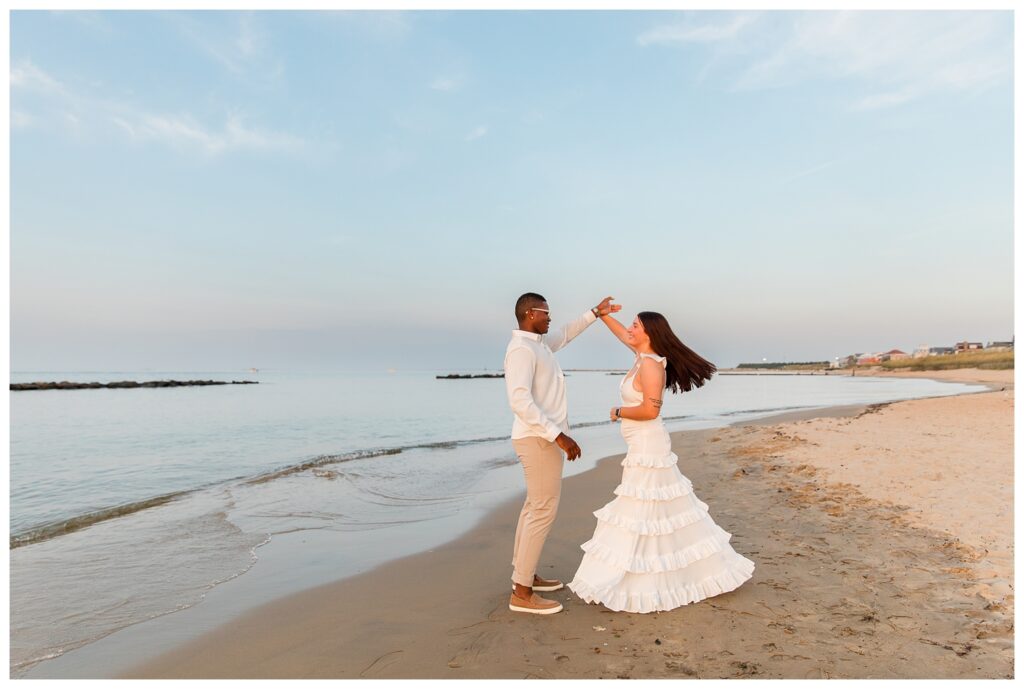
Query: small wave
324	460
590	424
393	498
762	411
452	444
20	667
43	532
440	445
65	526
320	461
499	462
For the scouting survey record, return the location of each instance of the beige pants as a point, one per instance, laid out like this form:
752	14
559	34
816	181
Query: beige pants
542	464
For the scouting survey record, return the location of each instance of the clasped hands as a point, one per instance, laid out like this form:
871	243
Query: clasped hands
606	307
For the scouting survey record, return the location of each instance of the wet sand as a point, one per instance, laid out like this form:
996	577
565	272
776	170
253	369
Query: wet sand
883	539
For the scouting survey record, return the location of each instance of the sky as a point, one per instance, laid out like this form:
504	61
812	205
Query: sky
207	191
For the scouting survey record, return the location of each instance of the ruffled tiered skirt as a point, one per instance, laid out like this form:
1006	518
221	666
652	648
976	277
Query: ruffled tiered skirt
655	546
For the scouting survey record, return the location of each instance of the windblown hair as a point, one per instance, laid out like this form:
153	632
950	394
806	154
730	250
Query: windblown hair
685	369
526	302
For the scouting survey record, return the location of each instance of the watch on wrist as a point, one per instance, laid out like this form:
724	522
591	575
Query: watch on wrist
595	312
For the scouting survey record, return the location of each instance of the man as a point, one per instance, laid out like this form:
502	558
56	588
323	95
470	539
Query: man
536	392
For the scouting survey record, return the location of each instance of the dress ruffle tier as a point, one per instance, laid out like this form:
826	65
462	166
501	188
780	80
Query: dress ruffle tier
655	546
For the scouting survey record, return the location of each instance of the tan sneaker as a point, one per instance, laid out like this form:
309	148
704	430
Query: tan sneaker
546	584
534	604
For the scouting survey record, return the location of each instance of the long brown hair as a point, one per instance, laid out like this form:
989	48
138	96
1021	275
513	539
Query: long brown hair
685	368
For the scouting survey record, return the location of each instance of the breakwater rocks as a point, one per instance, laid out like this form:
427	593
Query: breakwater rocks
461	376
65	385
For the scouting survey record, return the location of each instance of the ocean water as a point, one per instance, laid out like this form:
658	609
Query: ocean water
131	504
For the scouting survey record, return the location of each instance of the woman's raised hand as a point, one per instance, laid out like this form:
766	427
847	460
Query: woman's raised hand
605	310
606	307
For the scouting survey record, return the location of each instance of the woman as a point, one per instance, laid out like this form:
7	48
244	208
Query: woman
655	546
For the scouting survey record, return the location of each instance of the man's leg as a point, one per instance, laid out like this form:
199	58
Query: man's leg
542	466
520	529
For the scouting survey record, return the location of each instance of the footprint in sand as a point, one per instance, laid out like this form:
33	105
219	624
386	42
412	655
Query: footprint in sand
682	668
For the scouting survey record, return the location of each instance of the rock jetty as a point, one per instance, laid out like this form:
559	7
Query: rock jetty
460	376
65	385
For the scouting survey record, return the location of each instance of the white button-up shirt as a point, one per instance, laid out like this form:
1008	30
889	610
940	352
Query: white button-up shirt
535	383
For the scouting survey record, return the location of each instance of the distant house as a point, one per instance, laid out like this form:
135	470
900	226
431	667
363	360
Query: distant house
1000	346
894	355
921	351
939	351
968	346
869	360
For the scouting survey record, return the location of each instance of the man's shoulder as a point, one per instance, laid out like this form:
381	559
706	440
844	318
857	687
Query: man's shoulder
518	343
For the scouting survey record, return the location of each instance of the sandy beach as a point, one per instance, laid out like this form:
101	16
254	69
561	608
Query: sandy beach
883	539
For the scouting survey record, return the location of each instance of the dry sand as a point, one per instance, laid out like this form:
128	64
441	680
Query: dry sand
883	542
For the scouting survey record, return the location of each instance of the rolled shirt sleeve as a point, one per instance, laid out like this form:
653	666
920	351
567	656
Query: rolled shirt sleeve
519	367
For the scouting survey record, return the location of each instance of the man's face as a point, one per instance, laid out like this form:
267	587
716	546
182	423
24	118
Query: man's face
540	317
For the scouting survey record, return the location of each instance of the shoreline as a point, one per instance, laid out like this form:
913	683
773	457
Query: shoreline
240	648
403	637
363	586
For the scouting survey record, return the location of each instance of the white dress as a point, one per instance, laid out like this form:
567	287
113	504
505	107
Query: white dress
655	546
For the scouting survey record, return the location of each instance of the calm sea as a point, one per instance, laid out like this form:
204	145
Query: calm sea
130	504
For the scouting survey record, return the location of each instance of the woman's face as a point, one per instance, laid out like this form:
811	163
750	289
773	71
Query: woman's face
636	334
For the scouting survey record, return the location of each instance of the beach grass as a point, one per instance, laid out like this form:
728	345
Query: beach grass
982	360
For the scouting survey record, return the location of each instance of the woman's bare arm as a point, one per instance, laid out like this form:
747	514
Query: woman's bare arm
618	330
652	386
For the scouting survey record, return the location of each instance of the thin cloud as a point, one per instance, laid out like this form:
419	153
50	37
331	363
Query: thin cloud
877	101
181	130
184	131
241	48
94	20
894	57
899	56
387	26
478	132
693	32
248	40
240	135
26	75
446	84
20	119
810	171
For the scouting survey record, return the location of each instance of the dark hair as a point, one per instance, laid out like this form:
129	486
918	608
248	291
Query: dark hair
685	368
526	302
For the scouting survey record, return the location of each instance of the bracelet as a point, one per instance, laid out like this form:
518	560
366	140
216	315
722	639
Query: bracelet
595	312
618	413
